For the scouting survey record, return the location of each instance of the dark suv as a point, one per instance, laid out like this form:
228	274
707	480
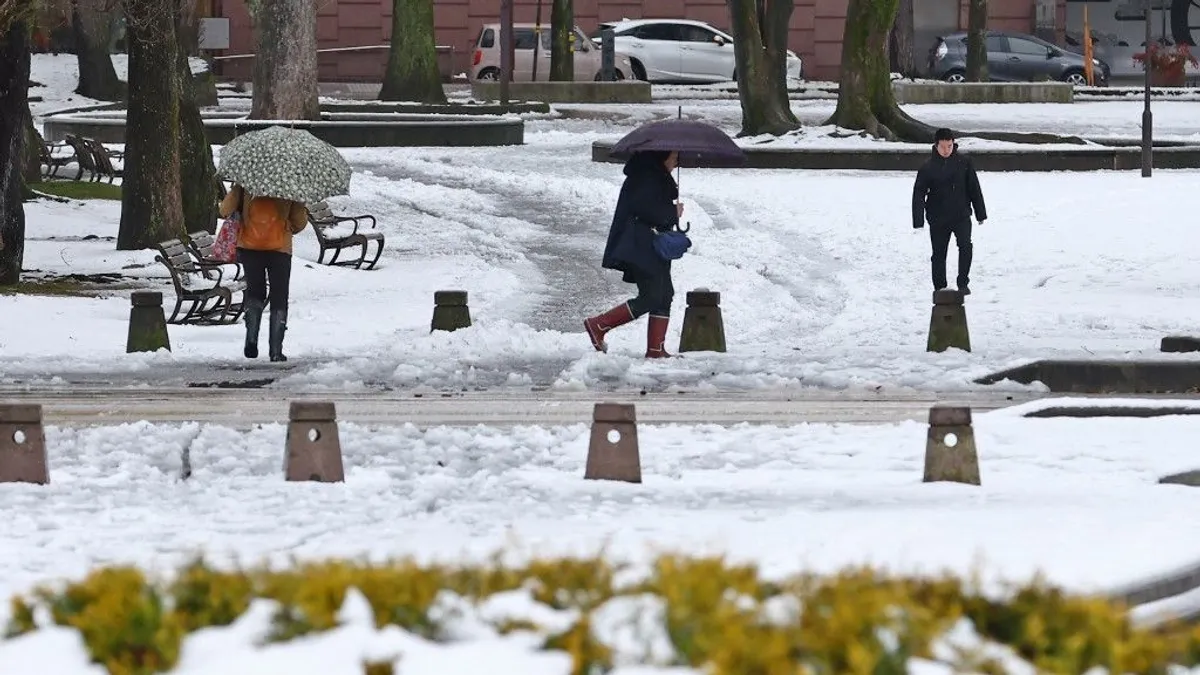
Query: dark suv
1012	57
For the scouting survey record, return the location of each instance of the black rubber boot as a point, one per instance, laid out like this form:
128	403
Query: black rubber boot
277	328
254	312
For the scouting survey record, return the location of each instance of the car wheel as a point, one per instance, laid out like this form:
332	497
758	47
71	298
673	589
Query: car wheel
1075	77
617	75
488	75
955	76
639	71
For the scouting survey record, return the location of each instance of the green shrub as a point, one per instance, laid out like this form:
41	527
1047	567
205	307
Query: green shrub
720	617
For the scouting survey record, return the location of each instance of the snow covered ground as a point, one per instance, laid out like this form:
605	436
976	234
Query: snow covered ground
1077	499
824	284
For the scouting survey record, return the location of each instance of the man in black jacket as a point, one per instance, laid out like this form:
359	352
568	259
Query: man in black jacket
945	192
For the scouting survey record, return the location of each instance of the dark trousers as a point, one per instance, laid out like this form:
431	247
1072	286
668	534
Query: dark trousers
939	236
655	295
261	266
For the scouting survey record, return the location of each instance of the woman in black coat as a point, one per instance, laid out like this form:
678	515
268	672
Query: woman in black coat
648	204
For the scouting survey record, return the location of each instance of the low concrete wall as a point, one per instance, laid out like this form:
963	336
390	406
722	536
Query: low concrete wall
983	92
628	91
412	131
435	108
1105	376
1034	158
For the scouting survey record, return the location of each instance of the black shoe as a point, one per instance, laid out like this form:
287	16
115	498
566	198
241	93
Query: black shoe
277	328
965	290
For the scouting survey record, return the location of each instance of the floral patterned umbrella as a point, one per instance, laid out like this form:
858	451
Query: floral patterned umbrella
285	163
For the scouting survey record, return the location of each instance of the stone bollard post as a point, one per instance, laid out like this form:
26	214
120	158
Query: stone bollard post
613	449
22	444
450	311
950	446
703	327
948	323
314	451
147	323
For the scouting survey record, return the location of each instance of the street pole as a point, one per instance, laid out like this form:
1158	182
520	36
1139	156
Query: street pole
608	55
537	38
1147	116
506	48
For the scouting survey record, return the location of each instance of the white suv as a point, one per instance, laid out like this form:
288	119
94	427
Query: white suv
680	50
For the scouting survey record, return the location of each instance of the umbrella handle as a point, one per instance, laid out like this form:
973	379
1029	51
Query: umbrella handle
685	230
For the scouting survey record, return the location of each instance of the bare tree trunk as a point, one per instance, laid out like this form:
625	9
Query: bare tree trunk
760	47
865	98
32	167
977	12
197	175
14	122
97	77
285	61
903	43
151	202
562	31
412	69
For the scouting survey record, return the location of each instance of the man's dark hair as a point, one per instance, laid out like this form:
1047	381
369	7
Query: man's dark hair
943	134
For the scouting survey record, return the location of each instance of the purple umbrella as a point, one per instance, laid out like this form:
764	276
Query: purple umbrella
698	144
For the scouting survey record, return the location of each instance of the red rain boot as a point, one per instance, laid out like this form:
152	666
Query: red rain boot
598	326
656	336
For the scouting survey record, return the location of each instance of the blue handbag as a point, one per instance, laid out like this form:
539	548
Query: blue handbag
672	244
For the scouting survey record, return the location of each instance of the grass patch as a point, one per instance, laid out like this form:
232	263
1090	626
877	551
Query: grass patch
56	287
82	286
81	190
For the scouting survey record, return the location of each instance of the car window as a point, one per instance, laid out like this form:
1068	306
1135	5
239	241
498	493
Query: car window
995	43
1025	47
487	39
697	34
659	31
523	38
581	41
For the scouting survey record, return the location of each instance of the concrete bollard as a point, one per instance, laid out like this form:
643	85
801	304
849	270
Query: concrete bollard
950	446
22	444
314	452
450	311
703	327
613	449
1179	344
948	323
147	323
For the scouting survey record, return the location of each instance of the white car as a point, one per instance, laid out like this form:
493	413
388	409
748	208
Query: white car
680	50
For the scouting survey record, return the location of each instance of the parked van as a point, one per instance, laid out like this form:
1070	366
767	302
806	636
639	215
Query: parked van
485	62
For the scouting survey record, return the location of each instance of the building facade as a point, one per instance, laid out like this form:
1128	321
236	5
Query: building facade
353	34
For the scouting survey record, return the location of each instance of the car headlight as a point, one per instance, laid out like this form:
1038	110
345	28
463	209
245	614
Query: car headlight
1096	62
942	50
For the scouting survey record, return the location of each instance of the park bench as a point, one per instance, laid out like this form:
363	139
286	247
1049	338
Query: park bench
102	159
338	233
84	156
202	294
52	161
202	243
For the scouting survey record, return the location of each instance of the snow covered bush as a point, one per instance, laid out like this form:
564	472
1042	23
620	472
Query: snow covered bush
689	614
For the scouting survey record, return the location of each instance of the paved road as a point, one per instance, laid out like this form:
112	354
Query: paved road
242	408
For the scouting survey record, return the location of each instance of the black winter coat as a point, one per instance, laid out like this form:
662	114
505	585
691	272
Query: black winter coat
646	204
945	191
